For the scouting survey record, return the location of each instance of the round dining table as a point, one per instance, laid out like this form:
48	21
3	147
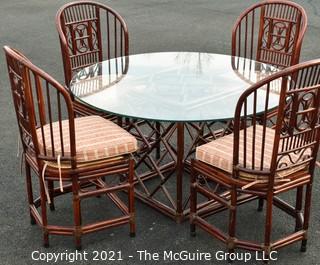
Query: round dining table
172	102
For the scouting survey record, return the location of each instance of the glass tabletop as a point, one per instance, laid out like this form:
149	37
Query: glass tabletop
171	86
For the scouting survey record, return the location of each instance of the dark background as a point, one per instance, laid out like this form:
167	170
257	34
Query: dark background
154	25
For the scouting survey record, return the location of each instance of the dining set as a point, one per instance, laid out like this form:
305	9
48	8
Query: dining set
190	134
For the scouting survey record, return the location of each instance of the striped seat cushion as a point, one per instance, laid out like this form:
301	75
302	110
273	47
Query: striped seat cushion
96	139
219	153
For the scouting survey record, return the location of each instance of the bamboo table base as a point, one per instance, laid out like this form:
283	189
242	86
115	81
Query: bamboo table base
164	158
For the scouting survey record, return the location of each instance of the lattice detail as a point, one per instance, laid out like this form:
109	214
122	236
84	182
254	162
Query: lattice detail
18	91
300	122
279	37
157	169
153	170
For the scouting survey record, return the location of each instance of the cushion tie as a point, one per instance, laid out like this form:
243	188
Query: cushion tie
18	146
22	159
60	177
21	154
59	169
250	184
257	181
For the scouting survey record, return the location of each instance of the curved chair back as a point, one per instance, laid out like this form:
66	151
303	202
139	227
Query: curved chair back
295	139
89	33
271	32
34	93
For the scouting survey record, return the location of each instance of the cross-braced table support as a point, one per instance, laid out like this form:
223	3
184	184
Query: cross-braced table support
156	162
162	164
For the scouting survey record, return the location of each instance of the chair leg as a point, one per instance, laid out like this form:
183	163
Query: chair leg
76	213
51	194
44	217
193	202
306	218
260	204
232	220
131	199
298	207
268	225
29	191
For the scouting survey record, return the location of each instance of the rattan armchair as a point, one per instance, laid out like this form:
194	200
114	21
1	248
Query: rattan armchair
89	33
271	32
256	161
78	153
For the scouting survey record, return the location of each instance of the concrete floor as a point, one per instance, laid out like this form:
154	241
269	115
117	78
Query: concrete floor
154	25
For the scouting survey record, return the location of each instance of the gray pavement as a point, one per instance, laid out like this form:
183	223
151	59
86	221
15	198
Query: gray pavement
154	25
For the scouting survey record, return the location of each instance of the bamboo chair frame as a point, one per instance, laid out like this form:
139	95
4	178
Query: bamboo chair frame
79	25
275	44
270	32
82	44
32	91
275	37
295	146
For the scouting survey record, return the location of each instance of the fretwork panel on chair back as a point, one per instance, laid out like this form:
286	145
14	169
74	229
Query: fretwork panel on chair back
295	139
270	32
33	94
89	33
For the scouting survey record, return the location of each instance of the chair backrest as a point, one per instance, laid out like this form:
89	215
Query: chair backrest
89	33
271	32
295	139
39	102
